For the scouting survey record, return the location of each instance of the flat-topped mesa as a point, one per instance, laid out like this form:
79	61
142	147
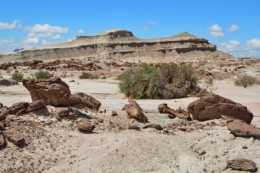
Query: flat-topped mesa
123	45
111	35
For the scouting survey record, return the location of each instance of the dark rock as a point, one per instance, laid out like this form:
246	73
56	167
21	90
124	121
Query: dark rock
242	165
155	126
135	127
86	127
8	82
114	113
212	107
14	137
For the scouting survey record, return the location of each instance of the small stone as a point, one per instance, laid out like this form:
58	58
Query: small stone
86	127
242	165
201	152
2	141
135	127
114	113
14	137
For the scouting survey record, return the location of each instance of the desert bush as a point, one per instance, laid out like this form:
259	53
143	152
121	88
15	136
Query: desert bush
17	76
246	81
167	81
42	74
86	75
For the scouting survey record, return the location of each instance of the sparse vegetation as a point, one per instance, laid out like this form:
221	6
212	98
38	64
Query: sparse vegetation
208	85
17	76
164	82
42	74
86	75
246	80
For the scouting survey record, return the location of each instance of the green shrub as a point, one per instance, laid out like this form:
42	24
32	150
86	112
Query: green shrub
246	81
42	74
167	81
17	76
86	75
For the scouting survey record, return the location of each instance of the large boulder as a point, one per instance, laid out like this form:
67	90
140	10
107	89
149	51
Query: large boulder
52	91
135	111
25	107
55	92
83	100
213	106
242	129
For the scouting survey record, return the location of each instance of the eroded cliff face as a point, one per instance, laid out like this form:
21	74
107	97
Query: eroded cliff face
123	45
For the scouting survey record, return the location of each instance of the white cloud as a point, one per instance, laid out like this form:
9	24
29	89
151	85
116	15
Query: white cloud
233	27
146	28
216	31
81	31
249	48
215	28
46	28
46	35
152	22
254	43
15	24
31	40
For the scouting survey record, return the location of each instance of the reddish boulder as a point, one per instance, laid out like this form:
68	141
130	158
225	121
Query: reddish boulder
135	111
52	91
86	127
212	107
240	128
14	137
84	100
18	108
3	112
242	165
55	92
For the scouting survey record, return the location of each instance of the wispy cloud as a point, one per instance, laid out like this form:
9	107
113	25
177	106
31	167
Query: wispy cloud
216	31
15	24
233	28
145	28
81	31
152	22
46	28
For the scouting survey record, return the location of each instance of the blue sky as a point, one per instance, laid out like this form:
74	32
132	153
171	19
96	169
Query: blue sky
234	26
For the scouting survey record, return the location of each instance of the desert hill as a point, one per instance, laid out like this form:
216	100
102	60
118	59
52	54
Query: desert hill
123	45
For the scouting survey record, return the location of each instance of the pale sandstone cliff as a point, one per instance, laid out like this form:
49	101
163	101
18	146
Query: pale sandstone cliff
123	45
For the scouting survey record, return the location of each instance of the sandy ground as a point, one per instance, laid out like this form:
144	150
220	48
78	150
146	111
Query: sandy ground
60	147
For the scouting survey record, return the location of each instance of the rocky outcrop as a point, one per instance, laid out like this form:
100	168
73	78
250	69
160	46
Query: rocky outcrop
135	111
14	137
180	113
242	129
55	92
242	164
25	107
123	44
213	106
